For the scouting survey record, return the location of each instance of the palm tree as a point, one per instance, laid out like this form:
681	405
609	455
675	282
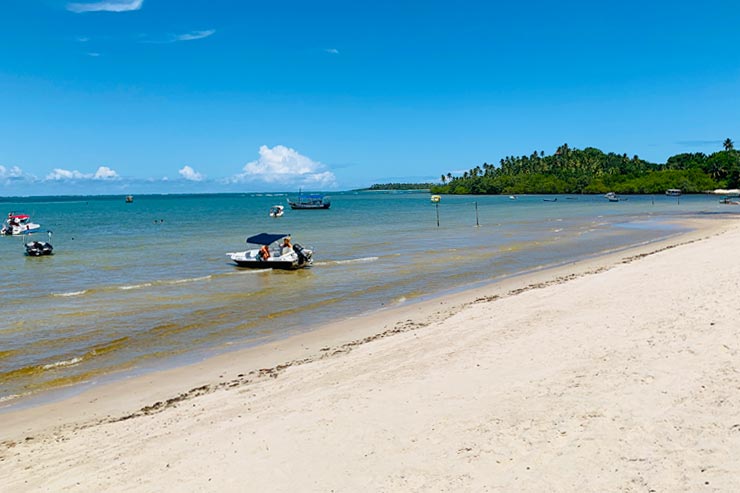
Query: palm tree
729	145
444	179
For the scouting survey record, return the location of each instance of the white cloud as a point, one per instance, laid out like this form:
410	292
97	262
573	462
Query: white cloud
102	173
194	35
12	172
190	174
332	51
65	174
93	54
285	166
105	173
106	6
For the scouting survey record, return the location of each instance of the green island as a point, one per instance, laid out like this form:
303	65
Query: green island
590	170
401	186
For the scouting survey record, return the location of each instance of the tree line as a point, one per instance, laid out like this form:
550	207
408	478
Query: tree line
402	186
590	170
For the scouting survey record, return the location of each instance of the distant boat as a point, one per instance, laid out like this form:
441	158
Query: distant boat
18	224
673	192
435	198
728	200
315	201
512	197
39	248
612	197
550	200
129	199
277	211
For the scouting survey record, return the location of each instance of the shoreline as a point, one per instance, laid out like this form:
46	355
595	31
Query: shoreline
609	361
104	399
14	403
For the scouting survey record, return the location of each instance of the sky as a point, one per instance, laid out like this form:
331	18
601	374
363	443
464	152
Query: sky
165	96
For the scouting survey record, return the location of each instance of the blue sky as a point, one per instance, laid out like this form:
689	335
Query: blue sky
171	96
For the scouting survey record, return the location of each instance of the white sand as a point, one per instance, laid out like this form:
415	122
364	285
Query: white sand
621	377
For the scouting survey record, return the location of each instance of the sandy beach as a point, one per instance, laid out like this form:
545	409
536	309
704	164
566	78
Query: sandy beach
618	373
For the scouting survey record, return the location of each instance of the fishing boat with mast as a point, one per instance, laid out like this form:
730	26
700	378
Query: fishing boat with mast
311	201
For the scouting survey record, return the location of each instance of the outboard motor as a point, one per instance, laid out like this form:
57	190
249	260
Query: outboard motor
302	257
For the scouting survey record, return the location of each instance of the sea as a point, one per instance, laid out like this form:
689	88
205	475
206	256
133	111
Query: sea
142	286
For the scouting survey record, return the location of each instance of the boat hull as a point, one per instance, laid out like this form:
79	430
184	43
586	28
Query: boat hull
296	206
39	248
270	264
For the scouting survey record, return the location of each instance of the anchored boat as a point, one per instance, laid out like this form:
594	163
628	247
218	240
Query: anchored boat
314	201
275	252
18	224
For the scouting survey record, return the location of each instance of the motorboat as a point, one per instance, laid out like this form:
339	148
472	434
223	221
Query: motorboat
129	199
314	201
39	248
612	197
728	200
277	210
18	224
673	192
275	252
435	198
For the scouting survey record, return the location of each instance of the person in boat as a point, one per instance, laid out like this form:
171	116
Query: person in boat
287	247
264	252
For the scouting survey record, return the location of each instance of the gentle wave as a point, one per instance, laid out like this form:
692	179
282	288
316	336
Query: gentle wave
192	279
135	286
5	398
71	293
348	261
58	364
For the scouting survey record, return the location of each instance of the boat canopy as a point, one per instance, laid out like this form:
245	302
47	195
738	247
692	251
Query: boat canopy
266	238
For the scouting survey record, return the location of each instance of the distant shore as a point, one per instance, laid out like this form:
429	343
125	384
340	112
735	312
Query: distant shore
610	373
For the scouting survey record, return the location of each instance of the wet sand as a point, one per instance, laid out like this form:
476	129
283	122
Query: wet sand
618	373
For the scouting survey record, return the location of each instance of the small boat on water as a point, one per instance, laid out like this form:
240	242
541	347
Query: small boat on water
129	199
18	224
314	201
275	252
550	200
728	200
673	192
612	197
277	211
39	248
435	198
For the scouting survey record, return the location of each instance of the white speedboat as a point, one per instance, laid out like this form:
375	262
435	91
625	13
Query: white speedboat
277	211
18	224
275	252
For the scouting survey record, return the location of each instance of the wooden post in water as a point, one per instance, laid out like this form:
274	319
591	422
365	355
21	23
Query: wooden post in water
477	224
436	206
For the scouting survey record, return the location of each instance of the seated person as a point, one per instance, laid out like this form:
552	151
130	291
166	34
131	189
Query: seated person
264	253
287	247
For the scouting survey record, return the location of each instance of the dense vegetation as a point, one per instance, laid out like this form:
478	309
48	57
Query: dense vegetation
590	170
402	186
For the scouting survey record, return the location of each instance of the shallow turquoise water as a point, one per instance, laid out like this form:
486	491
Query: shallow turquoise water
136	286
